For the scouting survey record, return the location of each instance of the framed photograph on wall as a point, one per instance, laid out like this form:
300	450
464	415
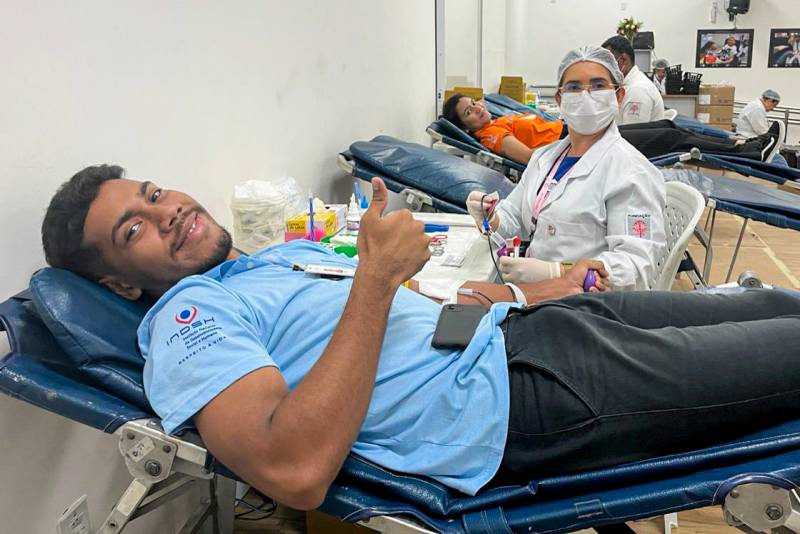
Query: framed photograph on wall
784	48
724	48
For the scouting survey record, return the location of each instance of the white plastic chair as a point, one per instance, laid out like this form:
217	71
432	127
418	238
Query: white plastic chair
682	211
670	114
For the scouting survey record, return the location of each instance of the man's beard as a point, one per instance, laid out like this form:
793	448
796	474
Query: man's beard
223	248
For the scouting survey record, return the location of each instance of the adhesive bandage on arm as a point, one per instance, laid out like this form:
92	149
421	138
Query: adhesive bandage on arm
441	289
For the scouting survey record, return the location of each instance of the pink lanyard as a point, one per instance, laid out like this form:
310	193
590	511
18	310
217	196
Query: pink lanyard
549	185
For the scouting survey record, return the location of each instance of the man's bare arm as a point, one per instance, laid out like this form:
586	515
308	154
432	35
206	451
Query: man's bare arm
291	445
570	283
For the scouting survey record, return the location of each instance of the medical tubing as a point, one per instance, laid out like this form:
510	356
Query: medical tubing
494	261
489	240
471	292
486	215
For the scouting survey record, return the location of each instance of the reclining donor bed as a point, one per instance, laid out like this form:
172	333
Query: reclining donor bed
73	352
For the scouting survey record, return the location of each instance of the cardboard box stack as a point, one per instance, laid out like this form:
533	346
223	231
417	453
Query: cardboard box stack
513	87
715	105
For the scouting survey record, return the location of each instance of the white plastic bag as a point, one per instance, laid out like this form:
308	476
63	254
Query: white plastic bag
260	210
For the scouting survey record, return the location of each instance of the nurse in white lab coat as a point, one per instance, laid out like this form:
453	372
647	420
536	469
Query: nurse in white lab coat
752	121
607	206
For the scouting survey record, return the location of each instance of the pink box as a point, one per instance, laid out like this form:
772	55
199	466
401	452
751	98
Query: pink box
291	236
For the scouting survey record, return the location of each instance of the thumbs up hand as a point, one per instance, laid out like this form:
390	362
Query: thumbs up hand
394	246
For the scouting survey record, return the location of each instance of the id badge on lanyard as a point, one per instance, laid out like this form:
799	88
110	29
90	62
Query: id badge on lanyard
545	189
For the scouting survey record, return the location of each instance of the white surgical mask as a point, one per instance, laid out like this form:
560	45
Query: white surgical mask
588	113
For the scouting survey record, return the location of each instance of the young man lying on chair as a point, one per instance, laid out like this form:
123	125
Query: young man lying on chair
284	373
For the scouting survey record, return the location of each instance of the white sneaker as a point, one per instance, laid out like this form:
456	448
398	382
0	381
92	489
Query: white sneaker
778	130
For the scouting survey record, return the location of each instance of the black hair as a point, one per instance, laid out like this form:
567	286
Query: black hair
450	113
62	229
619	45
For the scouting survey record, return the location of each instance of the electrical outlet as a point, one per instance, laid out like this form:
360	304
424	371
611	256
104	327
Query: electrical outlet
623	6
75	519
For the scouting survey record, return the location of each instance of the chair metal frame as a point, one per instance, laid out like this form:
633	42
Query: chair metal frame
163	468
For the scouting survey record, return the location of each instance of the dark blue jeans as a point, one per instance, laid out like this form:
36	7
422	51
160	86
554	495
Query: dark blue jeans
603	379
698	127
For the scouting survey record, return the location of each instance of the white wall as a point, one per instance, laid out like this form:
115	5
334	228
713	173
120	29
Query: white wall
539	34
197	96
494	44
461	24
461	42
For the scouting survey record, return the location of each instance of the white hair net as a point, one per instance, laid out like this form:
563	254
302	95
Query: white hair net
594	54
660	64
772	95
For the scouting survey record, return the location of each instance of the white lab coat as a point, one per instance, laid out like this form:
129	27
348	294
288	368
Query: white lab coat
752	121
661	85
611	194
642	102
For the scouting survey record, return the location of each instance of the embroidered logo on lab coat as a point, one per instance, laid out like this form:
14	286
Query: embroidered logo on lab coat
639	225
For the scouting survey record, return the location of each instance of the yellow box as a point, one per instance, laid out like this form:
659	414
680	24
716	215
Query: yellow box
513	87
475	93
322	219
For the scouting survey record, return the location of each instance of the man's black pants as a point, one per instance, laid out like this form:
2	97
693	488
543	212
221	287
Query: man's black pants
603	379
663	137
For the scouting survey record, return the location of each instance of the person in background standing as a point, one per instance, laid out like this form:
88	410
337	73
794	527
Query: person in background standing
660	67
642	102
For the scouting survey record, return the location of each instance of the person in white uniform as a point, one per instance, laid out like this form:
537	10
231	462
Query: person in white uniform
642	102
752	121
660	67
590	195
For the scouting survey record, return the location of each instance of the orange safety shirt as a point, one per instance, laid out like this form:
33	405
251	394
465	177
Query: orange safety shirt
531	130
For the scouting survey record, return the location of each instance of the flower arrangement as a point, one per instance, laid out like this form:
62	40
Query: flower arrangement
628	27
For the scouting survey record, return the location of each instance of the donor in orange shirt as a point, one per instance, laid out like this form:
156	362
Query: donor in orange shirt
512	136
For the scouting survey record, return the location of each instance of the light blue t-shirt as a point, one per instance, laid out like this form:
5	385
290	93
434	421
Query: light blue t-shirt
443	414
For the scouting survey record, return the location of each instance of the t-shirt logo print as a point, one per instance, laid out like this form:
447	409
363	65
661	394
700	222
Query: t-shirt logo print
186	316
